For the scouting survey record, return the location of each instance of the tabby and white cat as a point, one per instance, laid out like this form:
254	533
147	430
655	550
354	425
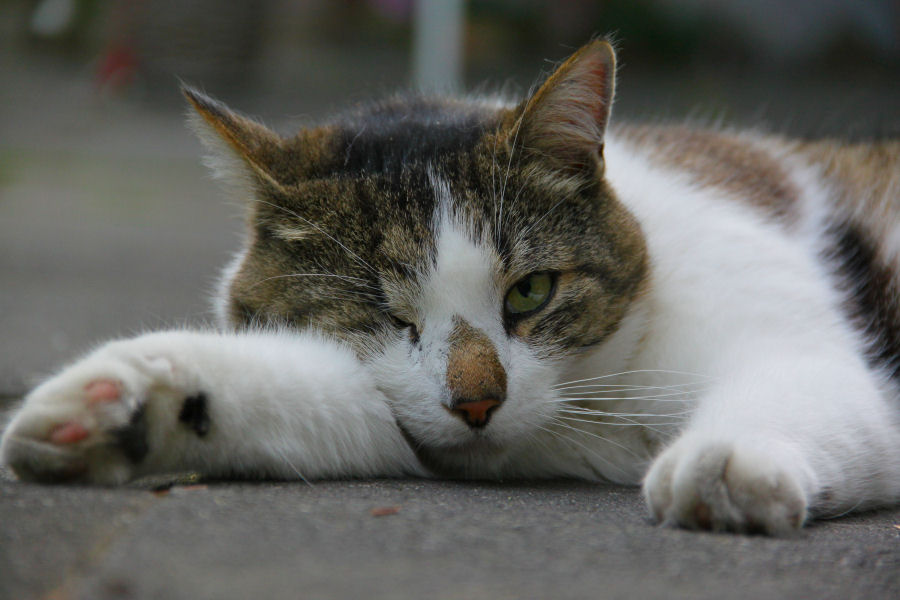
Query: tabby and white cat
466	288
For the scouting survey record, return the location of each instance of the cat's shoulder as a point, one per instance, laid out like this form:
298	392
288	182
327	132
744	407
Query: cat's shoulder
773	172
748	165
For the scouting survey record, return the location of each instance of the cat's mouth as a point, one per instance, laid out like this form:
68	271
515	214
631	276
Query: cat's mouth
462	459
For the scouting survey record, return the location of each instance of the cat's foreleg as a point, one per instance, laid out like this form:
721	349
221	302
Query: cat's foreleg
282	405
777	441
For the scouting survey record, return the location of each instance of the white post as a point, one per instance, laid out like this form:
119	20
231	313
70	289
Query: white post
437	44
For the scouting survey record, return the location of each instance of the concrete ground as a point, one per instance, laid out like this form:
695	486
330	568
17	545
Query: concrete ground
108	226
441	540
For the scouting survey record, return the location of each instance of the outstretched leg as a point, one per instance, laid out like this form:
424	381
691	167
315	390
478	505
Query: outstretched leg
799	434
283	405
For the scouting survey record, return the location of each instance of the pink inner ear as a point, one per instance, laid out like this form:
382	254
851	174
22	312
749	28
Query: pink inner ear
600	73
569	114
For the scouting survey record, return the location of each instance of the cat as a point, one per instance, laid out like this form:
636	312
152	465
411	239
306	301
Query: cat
482	289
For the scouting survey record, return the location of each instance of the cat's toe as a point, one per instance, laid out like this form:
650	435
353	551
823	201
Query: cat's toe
723	486
80	427
41	461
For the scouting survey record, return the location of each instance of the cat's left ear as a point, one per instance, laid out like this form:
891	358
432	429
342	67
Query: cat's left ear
241	150
565	119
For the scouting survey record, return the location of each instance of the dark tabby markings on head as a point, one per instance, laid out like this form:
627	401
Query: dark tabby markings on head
342	218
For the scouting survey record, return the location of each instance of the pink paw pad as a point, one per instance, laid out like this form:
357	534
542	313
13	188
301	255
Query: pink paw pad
68	433
103	390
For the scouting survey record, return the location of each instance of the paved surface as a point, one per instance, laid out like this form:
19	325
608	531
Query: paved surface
109	225
446	540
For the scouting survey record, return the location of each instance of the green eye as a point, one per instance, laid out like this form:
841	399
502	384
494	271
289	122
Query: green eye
529	294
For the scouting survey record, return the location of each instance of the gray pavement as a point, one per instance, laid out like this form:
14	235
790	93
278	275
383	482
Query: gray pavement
108	226
441	540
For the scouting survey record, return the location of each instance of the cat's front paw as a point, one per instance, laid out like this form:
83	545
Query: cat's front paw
747	487
94	421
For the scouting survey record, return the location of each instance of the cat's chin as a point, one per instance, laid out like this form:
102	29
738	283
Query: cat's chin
469	461
478	455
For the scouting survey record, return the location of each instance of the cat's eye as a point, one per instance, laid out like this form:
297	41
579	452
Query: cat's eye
529	294
410	327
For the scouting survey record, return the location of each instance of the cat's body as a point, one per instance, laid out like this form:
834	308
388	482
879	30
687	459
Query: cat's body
471	289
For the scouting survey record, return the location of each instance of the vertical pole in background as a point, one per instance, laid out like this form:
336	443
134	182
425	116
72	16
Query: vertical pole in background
437	44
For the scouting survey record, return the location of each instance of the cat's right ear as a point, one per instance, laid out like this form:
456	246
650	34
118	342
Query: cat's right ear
242	151
564	121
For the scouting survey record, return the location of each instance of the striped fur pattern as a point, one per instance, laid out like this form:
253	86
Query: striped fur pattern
475	288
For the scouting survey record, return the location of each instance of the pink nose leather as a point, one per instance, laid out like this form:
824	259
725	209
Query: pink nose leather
476	413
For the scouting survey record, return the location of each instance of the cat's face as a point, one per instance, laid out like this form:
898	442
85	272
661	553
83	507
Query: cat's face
464	249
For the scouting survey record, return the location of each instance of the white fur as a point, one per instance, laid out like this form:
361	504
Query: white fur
227	275
737	299
283	404
463	285
781	418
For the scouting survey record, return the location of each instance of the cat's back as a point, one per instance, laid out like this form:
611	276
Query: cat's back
773	173
862	229
863	178
841	196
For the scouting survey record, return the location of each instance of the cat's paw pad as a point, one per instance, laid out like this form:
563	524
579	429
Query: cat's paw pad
723	486
90	422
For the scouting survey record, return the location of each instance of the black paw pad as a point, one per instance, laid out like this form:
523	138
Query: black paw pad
132	438
195	415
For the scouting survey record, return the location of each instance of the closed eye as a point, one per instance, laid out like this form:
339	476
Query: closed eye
411	327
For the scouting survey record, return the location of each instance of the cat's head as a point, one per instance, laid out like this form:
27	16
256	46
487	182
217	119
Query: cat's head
464	248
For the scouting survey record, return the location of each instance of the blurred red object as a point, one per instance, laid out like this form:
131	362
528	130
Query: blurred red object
117	69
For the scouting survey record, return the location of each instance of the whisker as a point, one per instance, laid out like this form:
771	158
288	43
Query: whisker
494	186
623	387
601	413
592	391
352	280
595	435
528	229
630	423
658	397
344	297
323	232
627	423
591	451
635	371
512	153
291	465
588	411
841	514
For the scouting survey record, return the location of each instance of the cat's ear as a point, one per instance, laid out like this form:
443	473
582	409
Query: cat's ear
242	151
565	119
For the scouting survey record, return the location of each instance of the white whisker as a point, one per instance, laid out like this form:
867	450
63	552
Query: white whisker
351	280
587	411
636	371
291	465
512	152
613	387
594	435
629	423
323	232
591	451
671	397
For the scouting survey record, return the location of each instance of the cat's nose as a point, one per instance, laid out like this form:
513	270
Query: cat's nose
475	413
476	378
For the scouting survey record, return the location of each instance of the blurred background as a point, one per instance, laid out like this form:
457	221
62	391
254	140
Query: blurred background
109	225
